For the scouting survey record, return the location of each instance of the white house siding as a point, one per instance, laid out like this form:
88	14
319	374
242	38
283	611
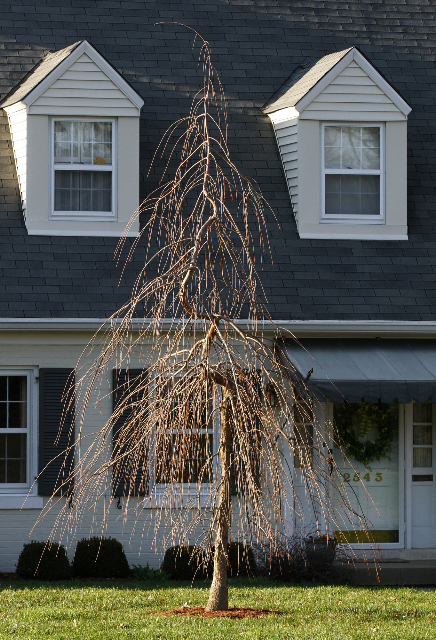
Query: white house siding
287	140
354	96
63	351
83	90
18	127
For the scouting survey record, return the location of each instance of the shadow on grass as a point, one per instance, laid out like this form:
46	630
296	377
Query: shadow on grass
9	581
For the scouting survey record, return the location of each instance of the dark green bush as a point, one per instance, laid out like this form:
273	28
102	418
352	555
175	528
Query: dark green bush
43	562
240	560
100	558
185	563
188	563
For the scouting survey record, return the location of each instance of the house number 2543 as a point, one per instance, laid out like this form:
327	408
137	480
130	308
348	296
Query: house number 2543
366	477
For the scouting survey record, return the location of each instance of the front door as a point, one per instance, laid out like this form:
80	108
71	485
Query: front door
420	464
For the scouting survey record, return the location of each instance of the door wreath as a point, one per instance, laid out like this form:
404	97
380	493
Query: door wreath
355	420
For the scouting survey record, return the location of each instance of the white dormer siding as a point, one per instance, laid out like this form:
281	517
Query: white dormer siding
17	119
287	141
344	95
352	96
83	90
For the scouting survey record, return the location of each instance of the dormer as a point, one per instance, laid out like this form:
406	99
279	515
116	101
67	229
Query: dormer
341	129
74	124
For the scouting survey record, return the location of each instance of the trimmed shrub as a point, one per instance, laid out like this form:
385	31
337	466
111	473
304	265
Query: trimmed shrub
189	563
185	563
43	562
100	558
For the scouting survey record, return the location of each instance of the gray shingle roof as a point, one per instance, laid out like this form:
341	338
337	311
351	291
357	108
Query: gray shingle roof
255	45
302	80
46	66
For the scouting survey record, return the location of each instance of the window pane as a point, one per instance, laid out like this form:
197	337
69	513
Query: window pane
102	132
16	445
16	471
17	415
83	142
370	205
350	204
18	388
332	136
87	131
102	153
3	388
332	204
62	131
350	184
332	158
352	148
351	136
75	131
13	457
352	195
86	153
351	158
422	457
370	137
370	158
3	415
83	191
422	412
422	434
62	152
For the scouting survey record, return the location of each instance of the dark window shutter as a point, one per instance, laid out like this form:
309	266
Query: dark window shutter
126	380
52	385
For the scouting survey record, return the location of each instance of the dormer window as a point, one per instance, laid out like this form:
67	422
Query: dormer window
74	126
83	170
341	129
353	176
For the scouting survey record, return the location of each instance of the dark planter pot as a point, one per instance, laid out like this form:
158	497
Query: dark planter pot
320	552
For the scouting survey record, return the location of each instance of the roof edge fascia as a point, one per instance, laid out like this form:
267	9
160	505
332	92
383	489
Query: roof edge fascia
354	55
99	60
330	328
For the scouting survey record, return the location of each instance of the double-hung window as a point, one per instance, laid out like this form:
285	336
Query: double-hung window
84	169
14	432
184	449
353	173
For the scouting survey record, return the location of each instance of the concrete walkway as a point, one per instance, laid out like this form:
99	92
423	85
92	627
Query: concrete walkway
403	572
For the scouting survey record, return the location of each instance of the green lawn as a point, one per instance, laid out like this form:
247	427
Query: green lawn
106	610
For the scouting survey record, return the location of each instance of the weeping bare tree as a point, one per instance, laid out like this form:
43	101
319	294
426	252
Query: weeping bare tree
216	408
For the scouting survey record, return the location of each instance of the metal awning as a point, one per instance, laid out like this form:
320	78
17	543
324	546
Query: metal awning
368	369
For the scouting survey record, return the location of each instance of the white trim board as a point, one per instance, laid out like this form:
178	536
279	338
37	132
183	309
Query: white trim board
318	327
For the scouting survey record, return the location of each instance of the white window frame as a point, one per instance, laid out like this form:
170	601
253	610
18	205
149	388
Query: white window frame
188	494
25	495
92	216
354	219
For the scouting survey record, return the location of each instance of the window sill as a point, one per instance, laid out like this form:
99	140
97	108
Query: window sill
21	501
177	500
355	231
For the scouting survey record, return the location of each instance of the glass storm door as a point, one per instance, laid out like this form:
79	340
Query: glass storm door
421	454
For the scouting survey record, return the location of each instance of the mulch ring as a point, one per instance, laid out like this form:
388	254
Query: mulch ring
233	612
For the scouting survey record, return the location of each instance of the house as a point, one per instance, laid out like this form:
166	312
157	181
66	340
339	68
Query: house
331	110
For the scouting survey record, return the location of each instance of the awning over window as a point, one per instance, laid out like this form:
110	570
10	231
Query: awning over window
367	369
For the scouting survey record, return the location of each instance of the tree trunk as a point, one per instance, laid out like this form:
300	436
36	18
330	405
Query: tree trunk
219	593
